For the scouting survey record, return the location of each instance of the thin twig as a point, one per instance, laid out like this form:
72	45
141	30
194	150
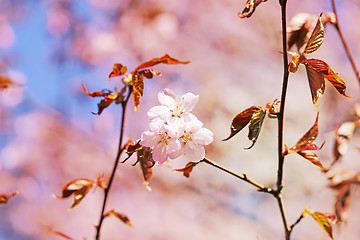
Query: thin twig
243	177
112	176
347	49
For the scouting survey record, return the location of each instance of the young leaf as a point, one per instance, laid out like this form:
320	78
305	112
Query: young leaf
119	216
118	70
250	8
316	38
166	59
149	73
256	122
146	163
109	97
308	137
323	68
305	144
138	88
312	157
100	182
78	187
187	169
342	137
322	219
4	198
316	83
302	25
241	120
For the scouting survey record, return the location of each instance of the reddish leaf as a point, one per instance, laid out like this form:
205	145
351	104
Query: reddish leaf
119	216
316	38
342	137
146	163
149	73
118	70
4	198
256	122
166	59
250	8
308	137
108	96
132	148
323	68
316	83
271	107
138	88
322	219
187	169
312	157
78	187
302	25
305	144
241	120
100	182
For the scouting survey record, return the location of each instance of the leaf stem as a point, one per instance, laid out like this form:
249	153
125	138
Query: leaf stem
112	176
347	49
243	177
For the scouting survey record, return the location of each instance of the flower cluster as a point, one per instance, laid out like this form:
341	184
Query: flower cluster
174	131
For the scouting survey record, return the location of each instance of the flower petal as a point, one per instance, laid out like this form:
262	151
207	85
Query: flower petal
159	153
161	112
167	98
148	139
194	152
203	137
188	101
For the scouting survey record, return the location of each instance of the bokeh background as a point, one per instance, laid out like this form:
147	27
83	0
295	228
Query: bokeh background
49	137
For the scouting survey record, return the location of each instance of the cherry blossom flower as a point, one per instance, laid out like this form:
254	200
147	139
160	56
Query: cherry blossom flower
173	109
162	138
174	131
193	140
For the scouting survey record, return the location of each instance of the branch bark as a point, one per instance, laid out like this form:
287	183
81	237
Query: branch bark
112	176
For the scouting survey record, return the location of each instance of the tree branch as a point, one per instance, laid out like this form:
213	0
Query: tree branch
112	176
279	182
347	49
243	177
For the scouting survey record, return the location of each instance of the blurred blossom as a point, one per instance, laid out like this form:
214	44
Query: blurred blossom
7	34
58	21
14	94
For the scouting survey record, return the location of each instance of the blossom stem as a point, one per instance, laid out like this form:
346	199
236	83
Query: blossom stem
112	176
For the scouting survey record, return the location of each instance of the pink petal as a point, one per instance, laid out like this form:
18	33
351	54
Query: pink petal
194	152
203	137
147	139
167	98
161	112
159	153
188	101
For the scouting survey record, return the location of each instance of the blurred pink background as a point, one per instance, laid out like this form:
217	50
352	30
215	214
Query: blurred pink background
49	136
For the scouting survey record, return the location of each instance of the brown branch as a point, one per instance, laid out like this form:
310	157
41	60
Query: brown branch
112	176
243	177
347	49
280	172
